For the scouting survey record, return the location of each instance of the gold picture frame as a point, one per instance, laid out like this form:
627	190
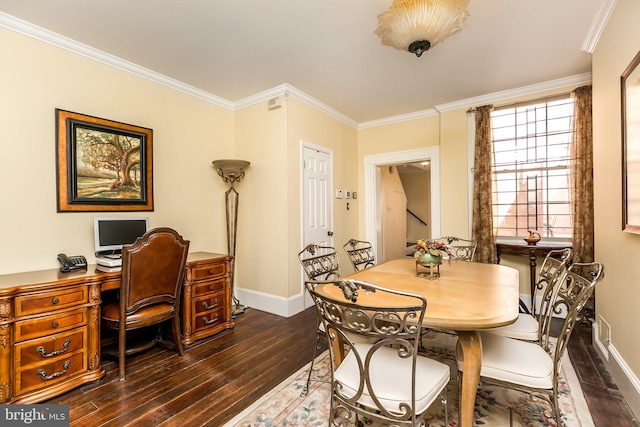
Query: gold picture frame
102	165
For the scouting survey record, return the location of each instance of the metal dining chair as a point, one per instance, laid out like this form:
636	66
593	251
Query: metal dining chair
527	325
360	254
534	367
383	380
322	263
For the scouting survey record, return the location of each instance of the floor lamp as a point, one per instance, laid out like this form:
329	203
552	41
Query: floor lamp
232	171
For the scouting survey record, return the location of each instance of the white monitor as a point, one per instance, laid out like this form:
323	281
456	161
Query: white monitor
111	233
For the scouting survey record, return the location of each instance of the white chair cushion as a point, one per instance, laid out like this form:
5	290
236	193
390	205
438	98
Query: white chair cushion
524	328
514	361
391	378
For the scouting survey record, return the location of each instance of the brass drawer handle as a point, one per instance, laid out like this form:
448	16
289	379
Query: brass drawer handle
208	322
208	307
56	300
211	271
55	325
42	374
64	348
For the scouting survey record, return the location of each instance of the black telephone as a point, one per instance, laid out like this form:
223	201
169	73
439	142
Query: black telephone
70	263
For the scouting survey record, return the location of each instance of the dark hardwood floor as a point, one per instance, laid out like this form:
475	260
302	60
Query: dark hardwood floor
217	378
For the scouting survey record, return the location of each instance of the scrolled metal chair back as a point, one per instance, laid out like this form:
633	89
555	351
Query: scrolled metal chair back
574	288
461	249
552	268
320	262
360	254
353	314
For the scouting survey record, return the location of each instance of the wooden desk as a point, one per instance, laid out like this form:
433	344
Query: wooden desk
467	297
540	249
50	323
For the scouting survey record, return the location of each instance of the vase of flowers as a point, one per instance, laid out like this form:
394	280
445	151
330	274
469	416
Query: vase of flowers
430	252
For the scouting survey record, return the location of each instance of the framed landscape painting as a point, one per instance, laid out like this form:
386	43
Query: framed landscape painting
102	165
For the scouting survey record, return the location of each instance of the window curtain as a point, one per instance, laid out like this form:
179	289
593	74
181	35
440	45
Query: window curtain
582	177
482	220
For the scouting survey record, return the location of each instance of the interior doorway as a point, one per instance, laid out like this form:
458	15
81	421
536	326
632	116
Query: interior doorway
374	194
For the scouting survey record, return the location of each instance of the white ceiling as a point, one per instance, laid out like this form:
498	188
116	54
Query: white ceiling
236	49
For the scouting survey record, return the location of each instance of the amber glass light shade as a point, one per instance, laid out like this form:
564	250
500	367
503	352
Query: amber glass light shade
418	25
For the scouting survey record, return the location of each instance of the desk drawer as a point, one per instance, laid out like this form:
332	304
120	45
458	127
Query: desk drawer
46	325
209	287
207	303
50	372
211	271
51	347
208	320
48	301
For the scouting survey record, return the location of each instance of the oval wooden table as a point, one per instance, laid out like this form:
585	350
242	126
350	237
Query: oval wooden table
466	298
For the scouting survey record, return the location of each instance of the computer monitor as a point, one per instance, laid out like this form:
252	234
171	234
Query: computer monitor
112	233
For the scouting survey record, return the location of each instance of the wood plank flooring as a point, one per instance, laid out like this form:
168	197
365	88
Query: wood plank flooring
217	378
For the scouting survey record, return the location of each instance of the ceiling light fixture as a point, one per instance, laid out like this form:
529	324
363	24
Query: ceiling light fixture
417	25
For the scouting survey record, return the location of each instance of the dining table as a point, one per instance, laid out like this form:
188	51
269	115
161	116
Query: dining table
466	297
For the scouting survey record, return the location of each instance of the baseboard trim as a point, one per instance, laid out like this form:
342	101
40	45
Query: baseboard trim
625	379
285	307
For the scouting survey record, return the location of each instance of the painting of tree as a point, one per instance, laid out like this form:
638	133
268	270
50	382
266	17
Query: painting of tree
103	165
108	164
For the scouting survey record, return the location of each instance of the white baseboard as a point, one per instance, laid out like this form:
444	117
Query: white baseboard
625	379
285	307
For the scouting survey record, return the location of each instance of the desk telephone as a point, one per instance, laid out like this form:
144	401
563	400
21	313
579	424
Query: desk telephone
70	263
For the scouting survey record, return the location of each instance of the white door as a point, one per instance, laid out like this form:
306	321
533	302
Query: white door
317	203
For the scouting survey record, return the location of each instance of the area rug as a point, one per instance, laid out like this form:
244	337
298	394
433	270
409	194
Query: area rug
283	406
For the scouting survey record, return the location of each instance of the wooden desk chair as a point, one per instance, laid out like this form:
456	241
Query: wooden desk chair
318	263
360	254
527	327
152	278
534	367
383	379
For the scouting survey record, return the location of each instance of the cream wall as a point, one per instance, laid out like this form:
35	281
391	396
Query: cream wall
35	79
308	124
270	214
618	295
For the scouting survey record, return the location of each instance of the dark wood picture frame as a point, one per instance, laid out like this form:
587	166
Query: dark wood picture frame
102	165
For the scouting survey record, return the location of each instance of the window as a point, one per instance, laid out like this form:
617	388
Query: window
531	160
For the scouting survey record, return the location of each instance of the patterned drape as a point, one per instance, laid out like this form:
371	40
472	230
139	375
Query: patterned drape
482	222
582	177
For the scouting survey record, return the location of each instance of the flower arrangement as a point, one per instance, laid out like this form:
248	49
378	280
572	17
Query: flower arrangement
433	247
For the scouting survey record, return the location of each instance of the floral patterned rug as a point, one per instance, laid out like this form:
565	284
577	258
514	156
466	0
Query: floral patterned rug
284	407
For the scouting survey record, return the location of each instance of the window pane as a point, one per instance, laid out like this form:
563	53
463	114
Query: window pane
531	150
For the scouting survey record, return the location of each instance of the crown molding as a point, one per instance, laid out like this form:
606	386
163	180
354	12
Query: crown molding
491	98
30	30
54	39
287	89
597	25
399	118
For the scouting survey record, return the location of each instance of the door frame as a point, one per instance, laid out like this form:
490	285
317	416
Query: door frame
372	188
